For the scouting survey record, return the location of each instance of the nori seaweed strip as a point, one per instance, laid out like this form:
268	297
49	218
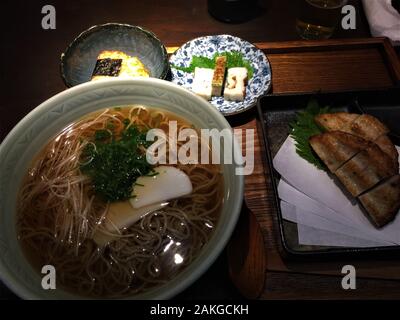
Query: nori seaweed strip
107	67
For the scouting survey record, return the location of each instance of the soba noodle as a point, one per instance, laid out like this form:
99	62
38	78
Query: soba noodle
58	214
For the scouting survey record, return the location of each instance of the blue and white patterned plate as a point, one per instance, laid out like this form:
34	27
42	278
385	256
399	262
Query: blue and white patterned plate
207	46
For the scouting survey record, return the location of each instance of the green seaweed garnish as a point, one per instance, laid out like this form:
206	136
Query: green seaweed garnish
115	162
233	59
303	128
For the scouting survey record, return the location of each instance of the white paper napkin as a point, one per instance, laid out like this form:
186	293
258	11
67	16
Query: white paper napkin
315	230
319	194
312	236
312	213
300	216
383	19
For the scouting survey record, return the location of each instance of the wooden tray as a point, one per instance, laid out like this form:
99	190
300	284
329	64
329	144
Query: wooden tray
304	67
332	65
277	111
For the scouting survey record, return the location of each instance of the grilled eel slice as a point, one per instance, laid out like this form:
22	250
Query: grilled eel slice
382	203
361	166
336	147
364	126
366	169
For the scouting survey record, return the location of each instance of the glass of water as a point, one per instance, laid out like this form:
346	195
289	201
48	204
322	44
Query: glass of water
318	19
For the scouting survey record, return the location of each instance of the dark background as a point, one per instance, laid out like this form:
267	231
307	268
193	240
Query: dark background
30	57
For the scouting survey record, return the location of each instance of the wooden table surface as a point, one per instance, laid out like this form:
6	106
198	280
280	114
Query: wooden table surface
31	75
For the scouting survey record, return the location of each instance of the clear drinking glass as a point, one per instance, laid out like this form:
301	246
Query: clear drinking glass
318	19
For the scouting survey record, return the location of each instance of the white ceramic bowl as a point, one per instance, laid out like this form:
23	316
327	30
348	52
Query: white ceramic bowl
45	121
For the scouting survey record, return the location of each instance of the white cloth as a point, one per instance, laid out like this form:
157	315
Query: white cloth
383	19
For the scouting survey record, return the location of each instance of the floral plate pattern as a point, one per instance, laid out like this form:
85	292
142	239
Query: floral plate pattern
207	46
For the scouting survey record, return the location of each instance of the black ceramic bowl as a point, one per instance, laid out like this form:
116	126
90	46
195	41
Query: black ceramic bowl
79	59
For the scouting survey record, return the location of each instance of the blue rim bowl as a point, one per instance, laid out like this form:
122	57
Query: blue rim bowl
79	59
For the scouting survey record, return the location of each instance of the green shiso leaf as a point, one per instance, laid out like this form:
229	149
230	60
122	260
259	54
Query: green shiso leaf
233	59
303	128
